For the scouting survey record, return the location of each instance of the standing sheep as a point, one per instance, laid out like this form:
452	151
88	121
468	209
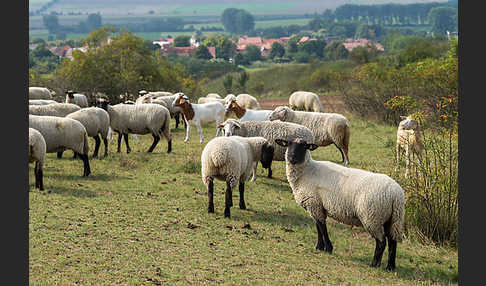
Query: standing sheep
409	139
58	110
328	128
76	98
138	119
213	95
231	159
37	154
270	130
97	122
202	100
36	92
63	133
348	195
246	114
306	101
41	101
198	114
247	101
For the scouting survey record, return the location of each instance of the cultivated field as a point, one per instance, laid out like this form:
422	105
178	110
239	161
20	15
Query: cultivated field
141	219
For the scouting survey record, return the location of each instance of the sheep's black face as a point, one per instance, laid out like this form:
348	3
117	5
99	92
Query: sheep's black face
267	155
296	149
102	104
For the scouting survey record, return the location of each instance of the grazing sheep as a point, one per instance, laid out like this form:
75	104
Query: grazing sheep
146	97
41	101
328	128
36	92
247	101
270	130
138	119
63	133
165	99
37	154
59	109
198	114
306	101
202	100
231	159
348	195
245	114
76	98
409	139
97	122
213	95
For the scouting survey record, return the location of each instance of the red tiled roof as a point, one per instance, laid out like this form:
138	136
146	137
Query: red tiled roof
250	41
212	51
350	44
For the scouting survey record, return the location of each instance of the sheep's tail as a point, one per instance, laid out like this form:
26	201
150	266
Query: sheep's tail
398	210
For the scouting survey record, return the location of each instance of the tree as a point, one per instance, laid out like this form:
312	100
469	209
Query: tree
277	50
182	41
237	21
442	19
335	51
242	80
202	52
51	22
253	53
228	83
93	22
313	48
95	38
225	48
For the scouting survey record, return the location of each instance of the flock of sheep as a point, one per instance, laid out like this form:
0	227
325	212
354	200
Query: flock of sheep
287	133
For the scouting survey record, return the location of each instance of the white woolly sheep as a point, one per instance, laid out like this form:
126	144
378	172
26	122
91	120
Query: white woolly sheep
97	122
138	119
198	114
348	195
76	98
270	130
247	101
58	110
305	101
409	139
37	154
36	92
62	133
41	101
163	98
146	97
231	159
328	128
246	114
203	100
213	95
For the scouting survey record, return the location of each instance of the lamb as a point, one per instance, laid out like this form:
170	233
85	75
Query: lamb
58	110
306	101
138	119
63	133
247	101
348	195
409	139
231	159
36	92
37	154
244	114
198	114
97	122
270	130
328	128
41	101
76	98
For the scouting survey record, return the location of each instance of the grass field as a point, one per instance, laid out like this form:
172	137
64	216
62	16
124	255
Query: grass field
141	219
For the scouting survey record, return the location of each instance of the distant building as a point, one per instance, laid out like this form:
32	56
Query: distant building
350	44
164	43
182	51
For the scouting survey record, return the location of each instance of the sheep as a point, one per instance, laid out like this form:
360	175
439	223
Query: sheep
327	127
41	101
76	98
348	195
270	130
245	114
146	97
231	159
97	122
62	133
36	92
58	110
163	98
203	100
409	139
37	154
213	95
247	101
198	114
138	119
306	101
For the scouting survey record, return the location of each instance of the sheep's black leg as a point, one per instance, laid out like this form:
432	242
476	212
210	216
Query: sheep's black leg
97	145
105	141
169	146
210	196
380	247
228	202
241	188
59	154
176	117
86	170
118	150
38	176
270	171
320	241
340	150
125	136
327	247
392	251
156	140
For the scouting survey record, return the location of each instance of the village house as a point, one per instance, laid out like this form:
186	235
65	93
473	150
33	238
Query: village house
350	44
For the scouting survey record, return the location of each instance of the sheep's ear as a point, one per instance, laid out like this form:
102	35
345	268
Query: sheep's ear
312	147
282	142
220	126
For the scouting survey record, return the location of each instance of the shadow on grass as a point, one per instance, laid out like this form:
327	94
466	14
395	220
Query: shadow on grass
71	192
284	219
91	177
